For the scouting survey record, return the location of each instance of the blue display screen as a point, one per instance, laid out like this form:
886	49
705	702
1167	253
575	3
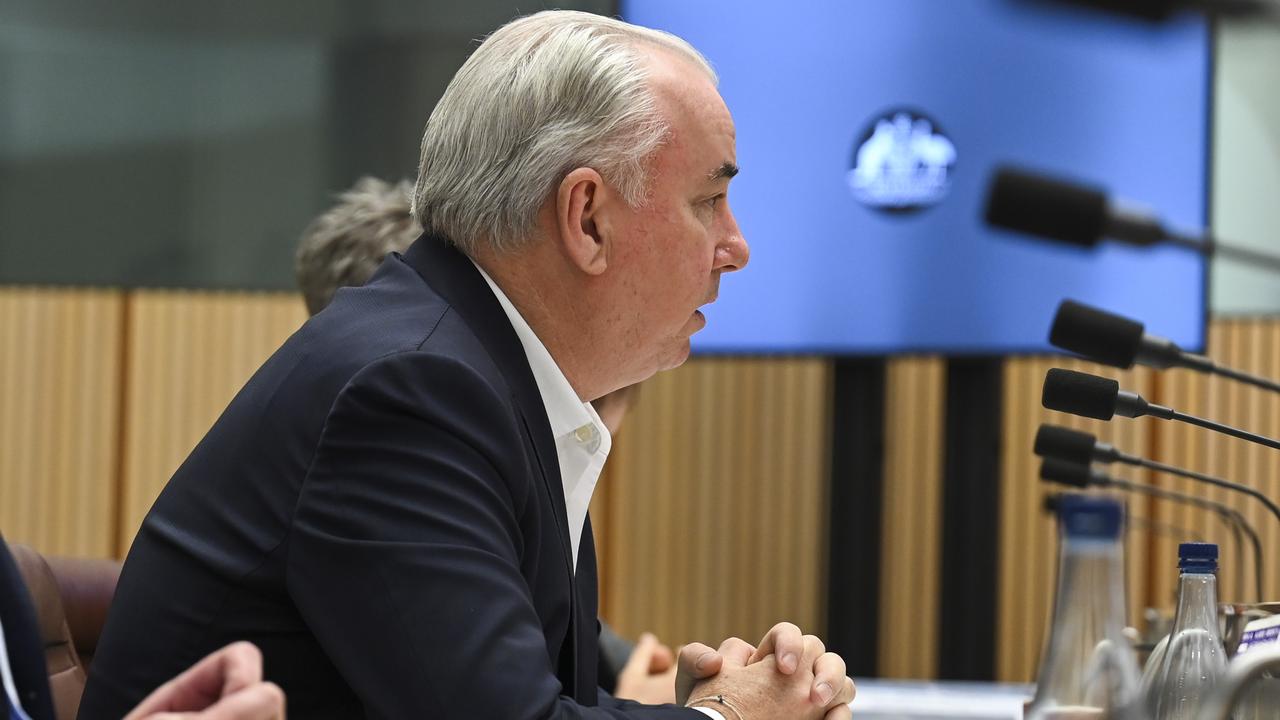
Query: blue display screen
867	133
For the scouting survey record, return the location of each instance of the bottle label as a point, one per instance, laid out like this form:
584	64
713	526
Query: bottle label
1264	632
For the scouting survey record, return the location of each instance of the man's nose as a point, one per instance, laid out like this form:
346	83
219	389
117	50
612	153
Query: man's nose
732	253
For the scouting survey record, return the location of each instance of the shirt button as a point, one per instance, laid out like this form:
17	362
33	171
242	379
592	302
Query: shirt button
588	437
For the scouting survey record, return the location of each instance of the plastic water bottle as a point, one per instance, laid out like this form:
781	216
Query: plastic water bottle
1088	669
1194	659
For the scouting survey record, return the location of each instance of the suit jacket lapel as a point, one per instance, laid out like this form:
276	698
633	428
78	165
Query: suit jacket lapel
587	647
455	278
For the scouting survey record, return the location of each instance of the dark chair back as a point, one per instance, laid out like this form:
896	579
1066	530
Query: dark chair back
22	640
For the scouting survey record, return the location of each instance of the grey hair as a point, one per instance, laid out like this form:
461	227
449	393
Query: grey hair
542	95
344	246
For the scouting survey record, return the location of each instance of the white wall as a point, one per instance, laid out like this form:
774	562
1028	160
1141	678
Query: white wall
1246	164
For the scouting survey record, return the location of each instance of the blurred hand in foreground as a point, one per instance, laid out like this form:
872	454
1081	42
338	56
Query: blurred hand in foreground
226	685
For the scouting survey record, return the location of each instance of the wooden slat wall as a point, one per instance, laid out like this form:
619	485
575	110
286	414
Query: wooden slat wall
1028	544
716	491
59	398
1184	446
713	510
189	353
911	560
1252	345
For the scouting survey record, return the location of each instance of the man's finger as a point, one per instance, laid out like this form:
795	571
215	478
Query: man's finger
842	699
699	661
264	701
220	673
695	662
786	642
828	680
842	712
736	652
840	709
242	666
641	656
662	660
814	648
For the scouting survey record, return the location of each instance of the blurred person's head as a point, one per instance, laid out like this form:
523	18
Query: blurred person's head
583	162
344	246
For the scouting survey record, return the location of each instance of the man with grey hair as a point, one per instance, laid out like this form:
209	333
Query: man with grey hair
394	507
343	247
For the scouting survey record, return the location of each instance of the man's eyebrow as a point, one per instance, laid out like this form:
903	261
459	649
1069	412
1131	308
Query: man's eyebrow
724	172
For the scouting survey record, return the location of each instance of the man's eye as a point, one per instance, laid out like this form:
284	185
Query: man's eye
714	201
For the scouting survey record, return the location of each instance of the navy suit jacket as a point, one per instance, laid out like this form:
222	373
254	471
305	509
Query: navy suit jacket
380	510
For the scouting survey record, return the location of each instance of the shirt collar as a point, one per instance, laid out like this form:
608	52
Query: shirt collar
566	412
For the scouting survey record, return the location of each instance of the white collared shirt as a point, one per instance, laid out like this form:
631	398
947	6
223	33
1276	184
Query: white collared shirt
582	440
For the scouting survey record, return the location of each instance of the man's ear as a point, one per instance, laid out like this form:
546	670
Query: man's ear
584	234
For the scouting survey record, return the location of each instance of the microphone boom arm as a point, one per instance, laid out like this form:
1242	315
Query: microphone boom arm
1231	517
1211	247
1211	480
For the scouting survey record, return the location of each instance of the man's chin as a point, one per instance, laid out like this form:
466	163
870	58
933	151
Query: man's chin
678	356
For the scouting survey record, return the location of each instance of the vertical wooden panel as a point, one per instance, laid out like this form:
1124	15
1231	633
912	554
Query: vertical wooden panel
190	352
911	565
1195	449
1025	538
713	518
59	378
1246	344
1268	468
1028	545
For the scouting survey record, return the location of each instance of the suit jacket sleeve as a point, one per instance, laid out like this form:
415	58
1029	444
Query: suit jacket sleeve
406	551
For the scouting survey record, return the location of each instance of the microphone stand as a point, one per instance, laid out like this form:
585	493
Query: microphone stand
1211	480
1218	427
1210	248
1231	518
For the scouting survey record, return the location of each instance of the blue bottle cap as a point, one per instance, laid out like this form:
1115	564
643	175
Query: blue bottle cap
1198	557
1090	517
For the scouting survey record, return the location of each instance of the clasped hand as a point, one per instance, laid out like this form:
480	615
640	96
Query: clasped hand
788	675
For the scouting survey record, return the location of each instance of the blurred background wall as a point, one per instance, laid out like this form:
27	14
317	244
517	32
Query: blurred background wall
157	164
1246	174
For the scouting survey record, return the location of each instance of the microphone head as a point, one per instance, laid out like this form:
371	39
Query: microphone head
1065	472
1096	334
1036	205
1080	394
1051	503
1062	443
1154	10
1161	10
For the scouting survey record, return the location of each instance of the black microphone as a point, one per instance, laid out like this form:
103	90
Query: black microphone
1035	204
1068	472
1080	448
1102	399
1158	10
1118	341
1074	446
